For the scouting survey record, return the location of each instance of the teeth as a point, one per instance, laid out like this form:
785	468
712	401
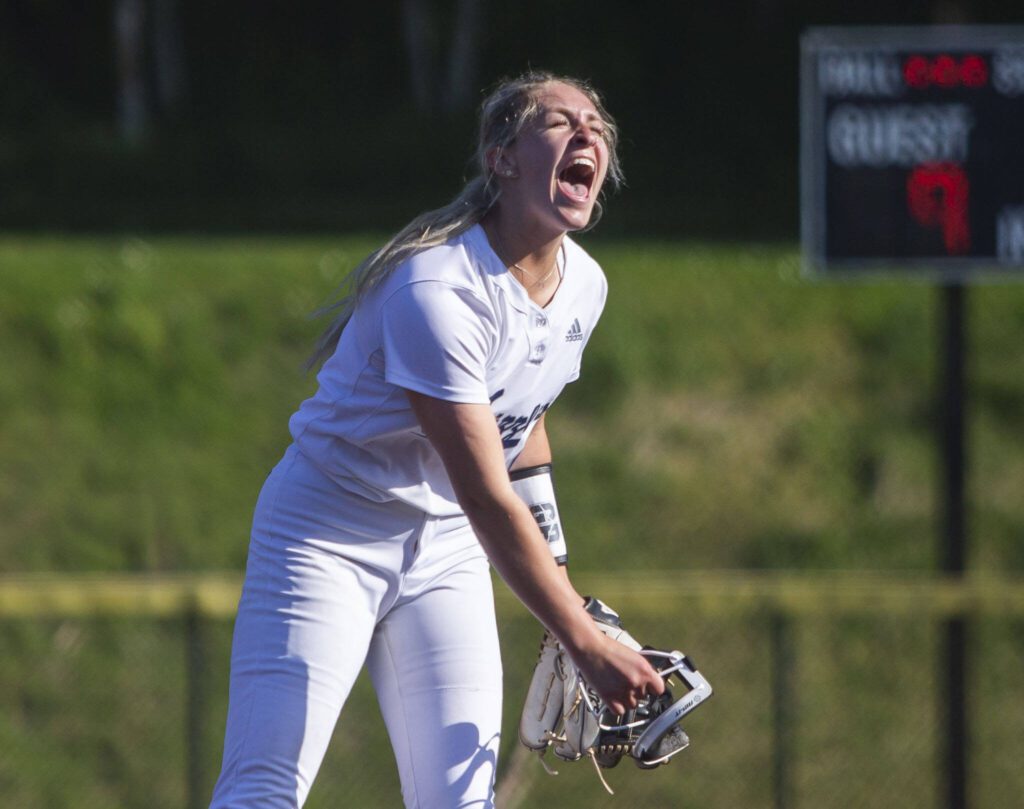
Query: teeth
583	161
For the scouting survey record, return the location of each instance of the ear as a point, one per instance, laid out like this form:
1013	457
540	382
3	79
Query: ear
502	163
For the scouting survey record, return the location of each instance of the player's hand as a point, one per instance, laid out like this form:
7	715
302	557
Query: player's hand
620	676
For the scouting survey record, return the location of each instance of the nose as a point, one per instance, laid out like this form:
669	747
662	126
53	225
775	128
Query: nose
585	135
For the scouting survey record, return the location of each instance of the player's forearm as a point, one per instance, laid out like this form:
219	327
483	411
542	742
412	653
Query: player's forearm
466	437
514	545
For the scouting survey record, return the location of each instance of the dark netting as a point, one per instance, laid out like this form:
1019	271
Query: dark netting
811	709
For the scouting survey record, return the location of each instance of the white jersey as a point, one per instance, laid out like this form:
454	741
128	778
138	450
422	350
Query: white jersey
452	323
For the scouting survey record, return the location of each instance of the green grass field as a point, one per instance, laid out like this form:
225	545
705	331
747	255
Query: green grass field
730	415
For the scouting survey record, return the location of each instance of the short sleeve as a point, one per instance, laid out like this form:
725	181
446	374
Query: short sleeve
437	338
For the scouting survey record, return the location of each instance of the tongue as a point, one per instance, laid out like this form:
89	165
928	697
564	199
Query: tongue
578	190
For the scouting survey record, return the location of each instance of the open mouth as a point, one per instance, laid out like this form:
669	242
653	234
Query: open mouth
576	179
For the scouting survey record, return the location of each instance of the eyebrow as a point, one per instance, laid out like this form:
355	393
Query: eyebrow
590	114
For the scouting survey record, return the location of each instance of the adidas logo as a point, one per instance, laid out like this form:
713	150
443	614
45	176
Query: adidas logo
575	333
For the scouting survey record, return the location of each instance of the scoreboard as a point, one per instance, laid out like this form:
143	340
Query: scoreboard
912	151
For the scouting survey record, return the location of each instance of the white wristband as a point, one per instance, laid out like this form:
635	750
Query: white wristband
536	488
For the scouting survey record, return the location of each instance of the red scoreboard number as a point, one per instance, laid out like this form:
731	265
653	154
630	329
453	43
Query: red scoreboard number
911	149
937	198
945	71
937	193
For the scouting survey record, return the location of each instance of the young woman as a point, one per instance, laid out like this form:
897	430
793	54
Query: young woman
422	457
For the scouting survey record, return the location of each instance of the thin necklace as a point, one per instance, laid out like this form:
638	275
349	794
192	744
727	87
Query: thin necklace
539	282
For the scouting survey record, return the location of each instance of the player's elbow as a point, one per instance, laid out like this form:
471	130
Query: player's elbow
481	503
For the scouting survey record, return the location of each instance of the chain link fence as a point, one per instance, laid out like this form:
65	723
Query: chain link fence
828	692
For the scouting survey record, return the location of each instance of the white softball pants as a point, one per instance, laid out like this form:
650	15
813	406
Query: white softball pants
334	580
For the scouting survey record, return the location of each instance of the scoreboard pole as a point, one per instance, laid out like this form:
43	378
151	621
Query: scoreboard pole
952	548
911	165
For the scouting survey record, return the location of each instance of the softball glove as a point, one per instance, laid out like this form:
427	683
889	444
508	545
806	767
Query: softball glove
563	713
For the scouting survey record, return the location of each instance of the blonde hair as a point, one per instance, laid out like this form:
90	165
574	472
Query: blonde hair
504	114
